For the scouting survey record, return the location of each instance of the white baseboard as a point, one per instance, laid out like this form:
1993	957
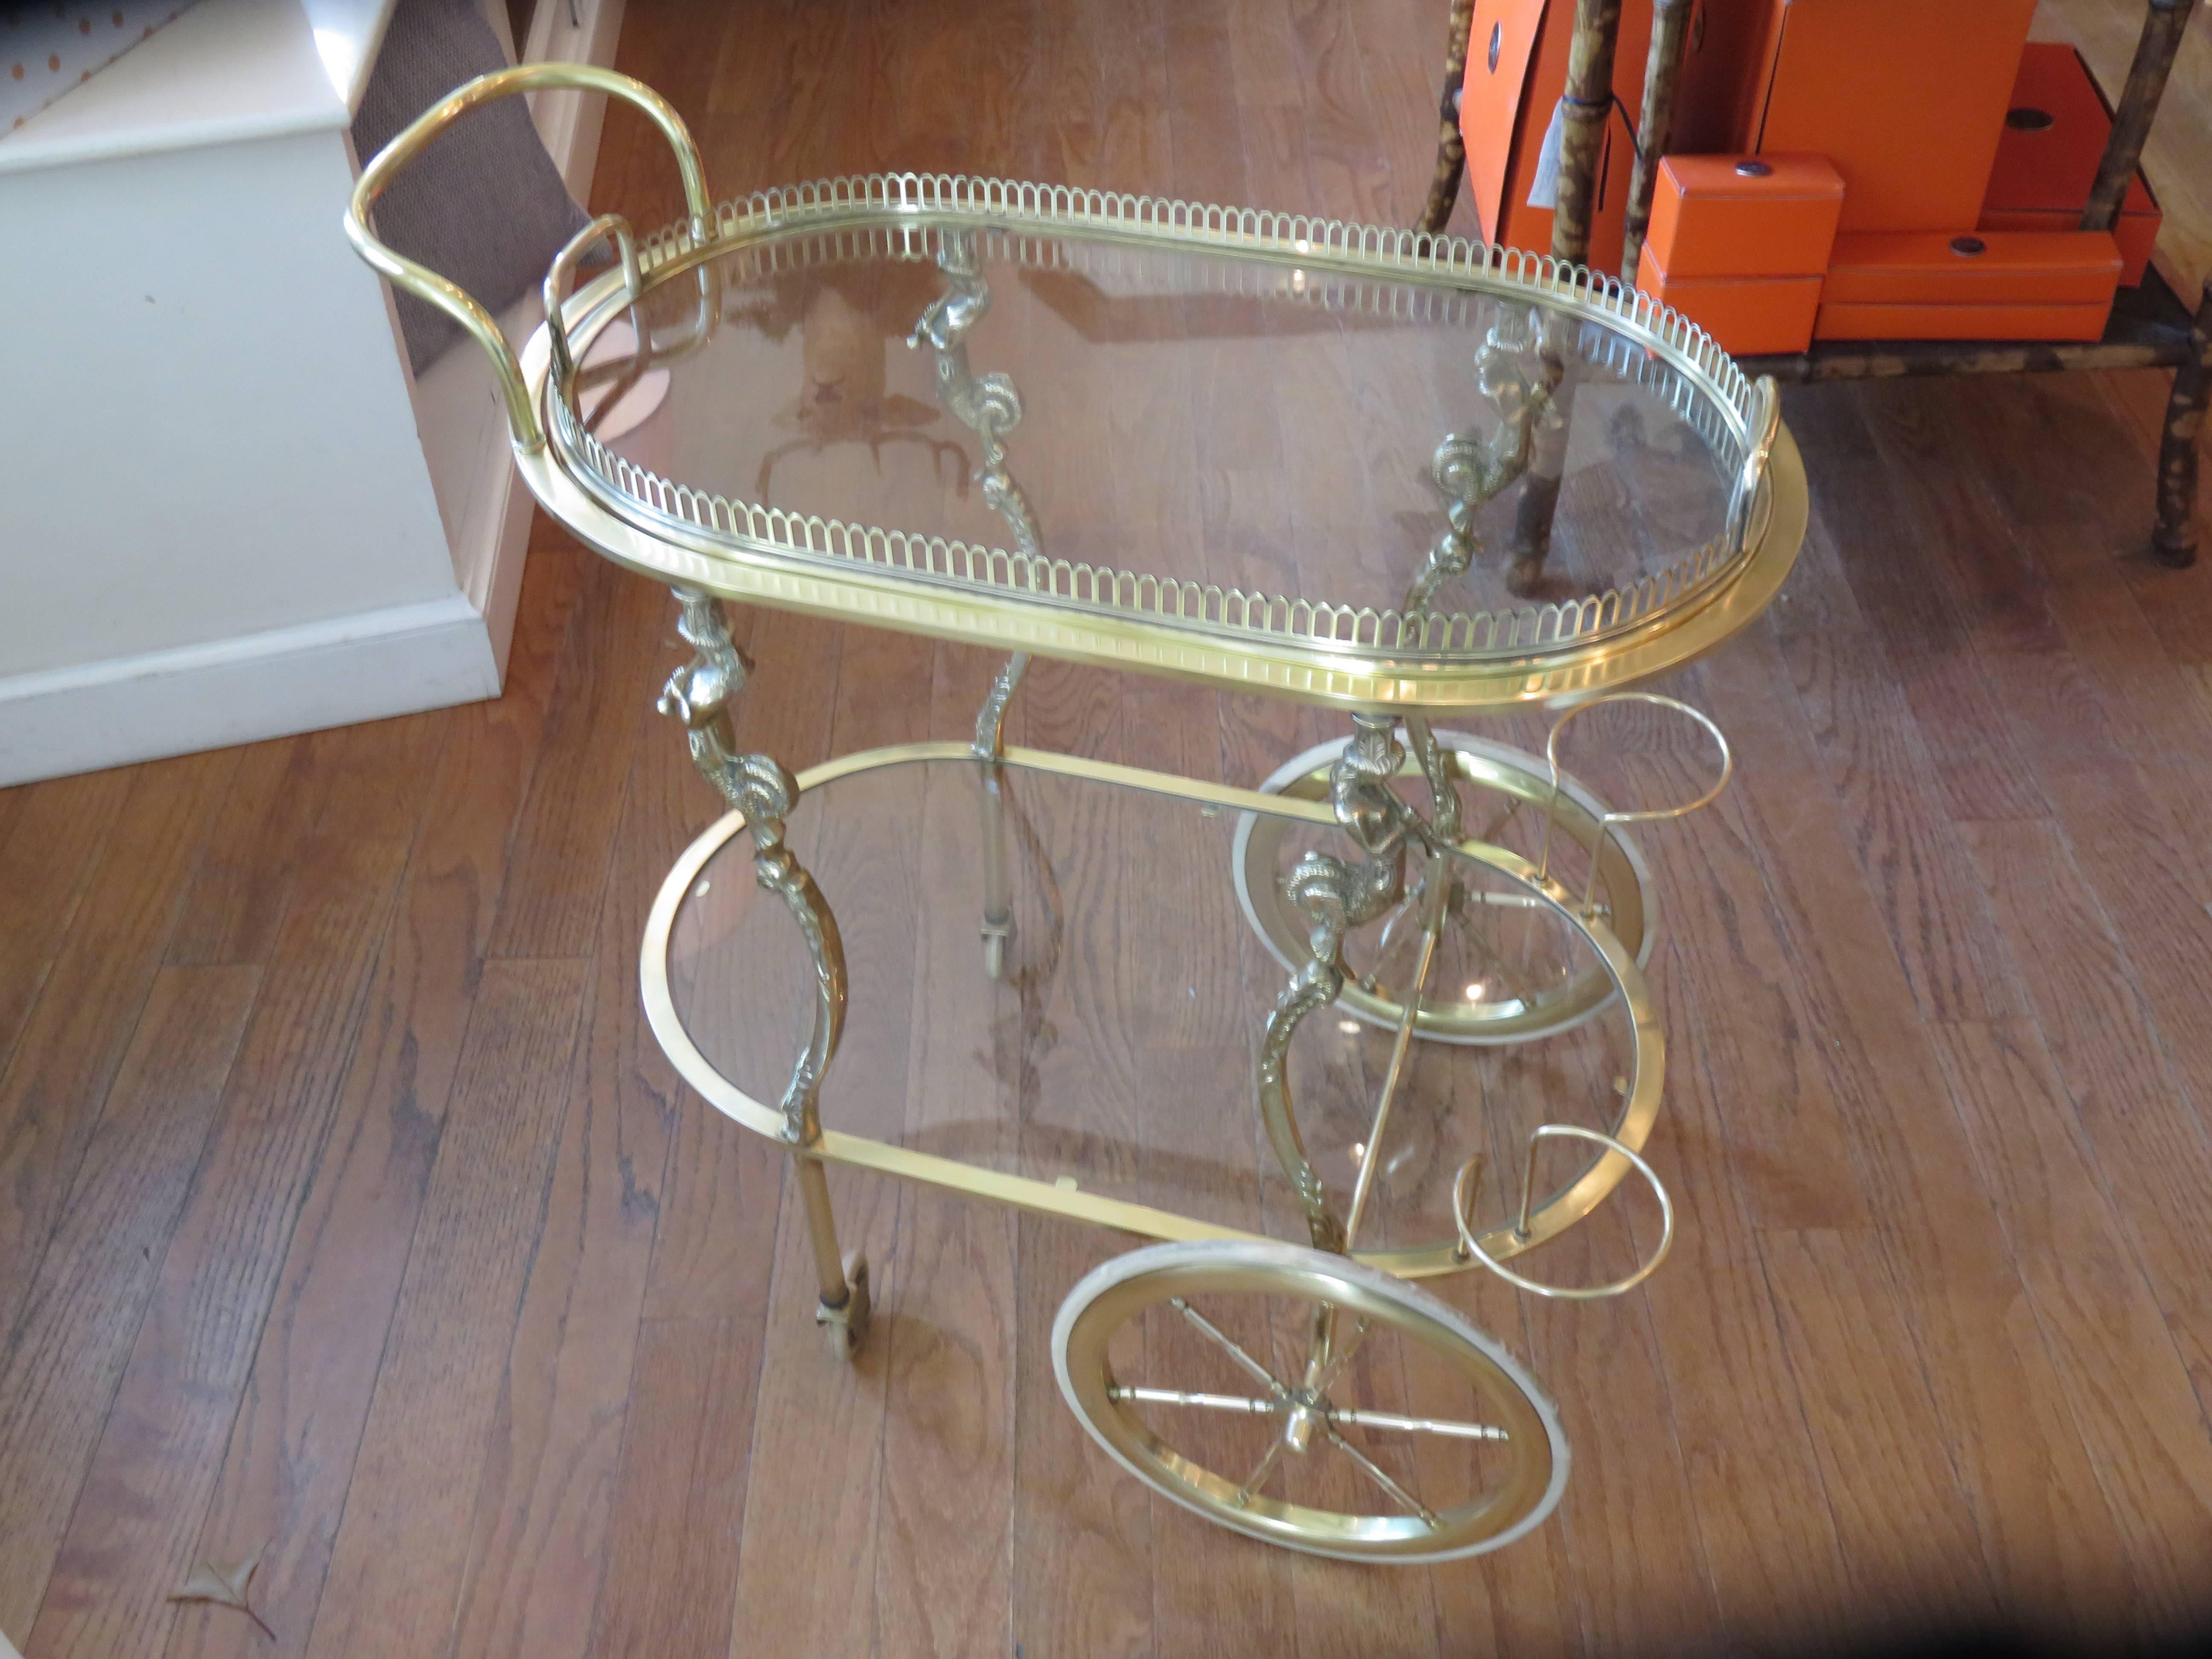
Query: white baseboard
330	672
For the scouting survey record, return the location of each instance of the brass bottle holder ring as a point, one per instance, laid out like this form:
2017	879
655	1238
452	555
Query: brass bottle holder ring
1608	819
1470	1246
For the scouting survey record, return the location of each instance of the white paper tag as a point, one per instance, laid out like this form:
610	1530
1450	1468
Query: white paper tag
1544	188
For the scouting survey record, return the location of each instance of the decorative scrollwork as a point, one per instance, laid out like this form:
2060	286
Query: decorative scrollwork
1473	471
1335	897
991	718
989	404
758	785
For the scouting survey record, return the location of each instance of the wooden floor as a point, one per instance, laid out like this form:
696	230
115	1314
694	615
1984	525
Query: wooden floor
349	1213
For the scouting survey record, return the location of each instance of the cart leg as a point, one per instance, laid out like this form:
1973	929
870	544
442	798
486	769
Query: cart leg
700	694
842	1312
1451	149
997	887
1335	897
2174	541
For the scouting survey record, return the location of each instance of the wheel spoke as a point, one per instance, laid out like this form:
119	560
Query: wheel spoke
1339	1359
1252	1481
1219	1402
1252	1367
1396	1491
1417	1425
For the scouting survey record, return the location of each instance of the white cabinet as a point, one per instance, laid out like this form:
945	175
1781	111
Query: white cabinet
226	511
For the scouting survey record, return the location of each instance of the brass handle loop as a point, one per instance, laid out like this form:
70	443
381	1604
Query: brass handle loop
1763	426
1470	1177
450	297
613	228
1652	814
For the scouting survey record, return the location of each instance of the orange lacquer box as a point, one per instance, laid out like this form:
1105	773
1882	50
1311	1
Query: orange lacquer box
1750	316
2054	137
1906	97
1987	286
1744	215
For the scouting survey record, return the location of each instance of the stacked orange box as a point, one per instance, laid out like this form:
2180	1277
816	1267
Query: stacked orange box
2054	138
2001	285
1738	244
1906	97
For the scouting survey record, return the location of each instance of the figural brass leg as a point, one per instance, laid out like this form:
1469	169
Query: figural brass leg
990	406
700	694
997	885
2174	541
1335	897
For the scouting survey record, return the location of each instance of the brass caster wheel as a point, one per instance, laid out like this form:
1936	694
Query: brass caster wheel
1526	994
1309	1400
843	1329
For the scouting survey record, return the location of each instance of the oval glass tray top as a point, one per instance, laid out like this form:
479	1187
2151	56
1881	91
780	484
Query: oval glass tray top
1236	446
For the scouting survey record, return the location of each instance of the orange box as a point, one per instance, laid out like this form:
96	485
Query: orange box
2000	286
1517	72
1750	316
1744	215
1724	64
2054	137
1906	97
1850	321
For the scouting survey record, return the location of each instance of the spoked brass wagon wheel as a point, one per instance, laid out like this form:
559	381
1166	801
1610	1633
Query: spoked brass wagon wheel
1532	988
1310	1401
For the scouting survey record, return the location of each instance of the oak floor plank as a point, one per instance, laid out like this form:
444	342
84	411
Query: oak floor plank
669	1577
558	865
55	833
237	894
1907	1534
1938	1232
292	1445
159	1455
2150	1147
1870	748
66	1057
1760	1501
1876	508
2125	1381
397	1570
65	1350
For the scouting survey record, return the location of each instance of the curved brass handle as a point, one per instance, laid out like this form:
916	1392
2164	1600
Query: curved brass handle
613	228
1759	433
450	297
1470	1173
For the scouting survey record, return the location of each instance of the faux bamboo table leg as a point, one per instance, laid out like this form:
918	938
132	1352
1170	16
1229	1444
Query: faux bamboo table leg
2164	25
1451	149
2174	541
1670	21
1588	103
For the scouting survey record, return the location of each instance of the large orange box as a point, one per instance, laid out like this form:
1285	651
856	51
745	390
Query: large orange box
1744	215
1724	64
1749	316
1998	286
1906	97
1517	72
2054	137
